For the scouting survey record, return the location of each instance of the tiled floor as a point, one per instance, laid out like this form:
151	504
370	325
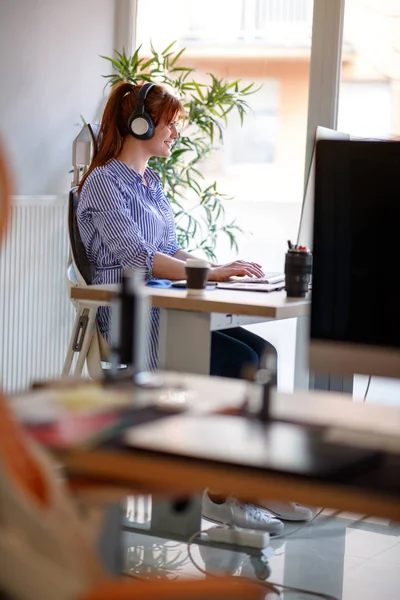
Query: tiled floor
337	555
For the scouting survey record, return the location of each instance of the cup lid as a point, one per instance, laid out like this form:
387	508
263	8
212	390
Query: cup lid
198	262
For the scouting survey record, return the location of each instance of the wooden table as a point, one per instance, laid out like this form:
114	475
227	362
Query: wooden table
175	456
186	321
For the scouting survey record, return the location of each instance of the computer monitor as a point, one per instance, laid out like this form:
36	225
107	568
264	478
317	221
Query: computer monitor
304	237
355	314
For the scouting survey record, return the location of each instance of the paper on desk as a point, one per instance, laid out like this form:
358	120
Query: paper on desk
47	405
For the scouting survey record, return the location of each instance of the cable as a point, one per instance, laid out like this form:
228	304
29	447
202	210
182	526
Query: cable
367	389
276	588
325	518
284	535
190	543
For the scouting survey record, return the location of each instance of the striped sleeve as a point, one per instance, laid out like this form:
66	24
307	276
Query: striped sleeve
103	200
173	245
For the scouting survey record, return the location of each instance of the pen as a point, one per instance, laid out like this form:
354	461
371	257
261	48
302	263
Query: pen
289	243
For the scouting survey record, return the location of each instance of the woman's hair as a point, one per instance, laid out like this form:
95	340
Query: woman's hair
120	105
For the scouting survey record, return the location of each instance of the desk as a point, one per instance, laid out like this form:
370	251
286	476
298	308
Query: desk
186	321
172	455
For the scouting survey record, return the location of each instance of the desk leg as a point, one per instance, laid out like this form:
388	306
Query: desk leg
184	341
301	373
303	378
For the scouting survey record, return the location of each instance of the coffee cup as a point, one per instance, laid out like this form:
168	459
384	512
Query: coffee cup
196	275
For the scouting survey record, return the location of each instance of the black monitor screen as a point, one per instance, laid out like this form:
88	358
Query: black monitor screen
356	263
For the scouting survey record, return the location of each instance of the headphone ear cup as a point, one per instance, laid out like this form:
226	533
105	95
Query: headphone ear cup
141	125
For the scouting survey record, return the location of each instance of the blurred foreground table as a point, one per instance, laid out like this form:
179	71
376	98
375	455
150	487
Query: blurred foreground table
321	449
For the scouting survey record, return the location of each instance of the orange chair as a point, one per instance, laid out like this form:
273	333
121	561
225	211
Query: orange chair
43	548
44	552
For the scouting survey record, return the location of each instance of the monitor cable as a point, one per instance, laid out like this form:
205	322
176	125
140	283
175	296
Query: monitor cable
367	389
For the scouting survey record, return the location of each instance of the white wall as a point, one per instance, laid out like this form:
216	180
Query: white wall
51	73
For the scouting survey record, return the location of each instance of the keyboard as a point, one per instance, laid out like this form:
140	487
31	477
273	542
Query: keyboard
270	277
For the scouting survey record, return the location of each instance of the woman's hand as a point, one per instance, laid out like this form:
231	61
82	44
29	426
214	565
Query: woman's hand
238	268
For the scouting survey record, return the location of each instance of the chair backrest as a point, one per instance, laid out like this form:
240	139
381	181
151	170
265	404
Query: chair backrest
84	148
81	262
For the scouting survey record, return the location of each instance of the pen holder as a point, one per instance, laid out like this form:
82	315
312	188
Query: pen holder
298	268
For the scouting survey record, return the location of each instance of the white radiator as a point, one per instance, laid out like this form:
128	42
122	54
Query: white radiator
36	316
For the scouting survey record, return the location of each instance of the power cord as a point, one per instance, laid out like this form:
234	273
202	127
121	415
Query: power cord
367	389
276	588
306	524
191	541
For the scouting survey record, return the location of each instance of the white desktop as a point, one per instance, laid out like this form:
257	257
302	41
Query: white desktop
305	233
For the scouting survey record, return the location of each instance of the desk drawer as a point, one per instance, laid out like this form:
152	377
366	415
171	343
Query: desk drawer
221	321
226	321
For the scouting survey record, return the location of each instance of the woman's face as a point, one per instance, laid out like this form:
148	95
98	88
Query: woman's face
164	136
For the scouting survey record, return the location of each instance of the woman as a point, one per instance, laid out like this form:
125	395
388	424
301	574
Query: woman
126	221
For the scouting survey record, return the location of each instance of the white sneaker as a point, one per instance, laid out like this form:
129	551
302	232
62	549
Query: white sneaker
234	512
288	511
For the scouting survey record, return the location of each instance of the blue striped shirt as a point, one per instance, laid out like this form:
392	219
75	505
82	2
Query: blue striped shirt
123	223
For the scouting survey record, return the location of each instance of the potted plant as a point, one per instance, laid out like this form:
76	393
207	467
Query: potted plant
198	207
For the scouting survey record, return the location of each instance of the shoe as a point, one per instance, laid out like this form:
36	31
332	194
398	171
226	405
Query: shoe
234	512
288	511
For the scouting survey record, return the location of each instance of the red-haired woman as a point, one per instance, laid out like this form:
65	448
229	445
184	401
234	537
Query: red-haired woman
126	221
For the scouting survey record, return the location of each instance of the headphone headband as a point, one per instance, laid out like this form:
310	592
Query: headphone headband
144	90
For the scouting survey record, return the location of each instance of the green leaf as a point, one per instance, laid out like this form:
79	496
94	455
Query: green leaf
147	63
198	87
164	52
177	56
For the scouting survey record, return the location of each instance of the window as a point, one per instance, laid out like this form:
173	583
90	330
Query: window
369	101
261	164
